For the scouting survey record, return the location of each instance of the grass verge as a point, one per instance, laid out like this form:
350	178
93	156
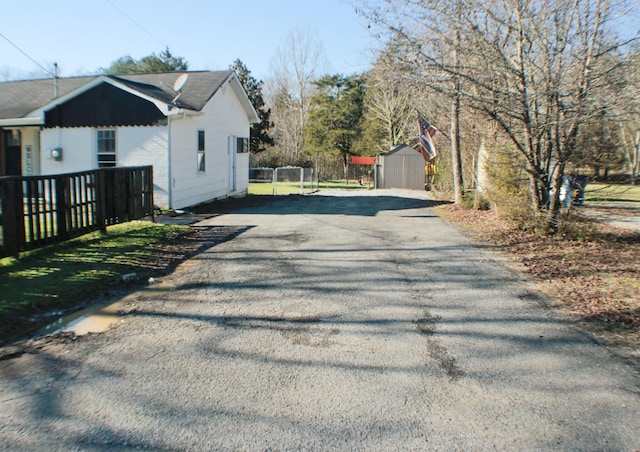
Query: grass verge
44	283
612	192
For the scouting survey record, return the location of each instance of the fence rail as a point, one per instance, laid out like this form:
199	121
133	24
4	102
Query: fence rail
36	211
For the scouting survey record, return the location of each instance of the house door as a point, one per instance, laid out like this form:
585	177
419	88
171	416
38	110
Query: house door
10	153
232	163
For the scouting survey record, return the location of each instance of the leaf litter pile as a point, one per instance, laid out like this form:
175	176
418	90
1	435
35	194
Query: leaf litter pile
595	280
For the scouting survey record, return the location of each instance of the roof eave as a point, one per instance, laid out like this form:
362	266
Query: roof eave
21	122
162	106
172	110
252	114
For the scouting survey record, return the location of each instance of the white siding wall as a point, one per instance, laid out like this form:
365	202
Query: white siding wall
135	146
140	146
78	150
222	117
242	183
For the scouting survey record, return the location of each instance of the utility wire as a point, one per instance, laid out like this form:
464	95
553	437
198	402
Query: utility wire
148	33
25	54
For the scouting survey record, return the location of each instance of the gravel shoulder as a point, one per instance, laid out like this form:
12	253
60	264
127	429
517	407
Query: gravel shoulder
335	321
624	215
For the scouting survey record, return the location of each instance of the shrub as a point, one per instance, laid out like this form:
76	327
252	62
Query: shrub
575	227
476	200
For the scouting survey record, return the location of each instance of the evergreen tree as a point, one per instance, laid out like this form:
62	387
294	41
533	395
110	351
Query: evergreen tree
336	116
260	137
164	62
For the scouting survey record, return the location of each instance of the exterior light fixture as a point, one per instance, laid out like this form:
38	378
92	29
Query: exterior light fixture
56	154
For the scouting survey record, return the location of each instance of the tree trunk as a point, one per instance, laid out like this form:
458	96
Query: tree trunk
534	189
553	218
345	165
456	156
635	158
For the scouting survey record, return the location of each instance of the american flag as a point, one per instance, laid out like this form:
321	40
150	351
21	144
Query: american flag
426	143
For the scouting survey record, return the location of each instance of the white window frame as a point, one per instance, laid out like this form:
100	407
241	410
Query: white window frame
242	145
201	152
109	153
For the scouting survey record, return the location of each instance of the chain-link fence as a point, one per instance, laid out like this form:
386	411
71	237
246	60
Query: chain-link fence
284	180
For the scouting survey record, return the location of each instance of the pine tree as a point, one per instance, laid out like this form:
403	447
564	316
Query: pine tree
260	137
336	116
164	62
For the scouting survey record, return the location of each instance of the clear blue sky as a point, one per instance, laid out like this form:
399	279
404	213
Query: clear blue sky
84	35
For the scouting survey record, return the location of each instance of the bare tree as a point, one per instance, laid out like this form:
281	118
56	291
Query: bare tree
390	105
298	62
395	94
630	136
533	68
628	114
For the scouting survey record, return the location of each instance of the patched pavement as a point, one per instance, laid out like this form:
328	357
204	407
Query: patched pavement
336	321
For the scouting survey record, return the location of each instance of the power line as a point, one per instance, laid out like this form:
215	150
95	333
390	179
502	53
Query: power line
25	54
148	33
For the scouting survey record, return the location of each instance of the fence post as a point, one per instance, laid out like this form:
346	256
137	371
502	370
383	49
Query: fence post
275	181
61	206
100	188
301	181
149	191
12	216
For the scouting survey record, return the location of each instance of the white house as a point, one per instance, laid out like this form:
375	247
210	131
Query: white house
193	127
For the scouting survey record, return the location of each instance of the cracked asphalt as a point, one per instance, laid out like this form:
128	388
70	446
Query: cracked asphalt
334	321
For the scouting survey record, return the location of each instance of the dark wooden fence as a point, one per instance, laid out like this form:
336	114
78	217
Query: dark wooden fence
40	210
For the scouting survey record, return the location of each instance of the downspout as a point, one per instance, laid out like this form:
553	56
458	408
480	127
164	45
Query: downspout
169	172
375	172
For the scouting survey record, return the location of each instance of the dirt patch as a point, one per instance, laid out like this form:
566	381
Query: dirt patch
594	280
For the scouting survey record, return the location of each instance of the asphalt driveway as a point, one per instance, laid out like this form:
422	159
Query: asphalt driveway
335	321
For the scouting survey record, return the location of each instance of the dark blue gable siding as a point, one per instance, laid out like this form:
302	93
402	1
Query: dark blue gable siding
105	106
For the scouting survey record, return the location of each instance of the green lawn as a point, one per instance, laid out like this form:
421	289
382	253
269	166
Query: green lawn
58	276
283	188
612	192
286	188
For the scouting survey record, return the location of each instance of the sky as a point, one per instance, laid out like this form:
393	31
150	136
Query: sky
85	35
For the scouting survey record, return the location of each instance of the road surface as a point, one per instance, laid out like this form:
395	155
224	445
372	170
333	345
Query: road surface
335	321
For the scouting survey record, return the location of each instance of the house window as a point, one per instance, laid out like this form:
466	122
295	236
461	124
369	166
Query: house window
106	148
242	145
201	165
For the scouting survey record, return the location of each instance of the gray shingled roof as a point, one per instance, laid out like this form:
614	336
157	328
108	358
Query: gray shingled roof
196	92
17	99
